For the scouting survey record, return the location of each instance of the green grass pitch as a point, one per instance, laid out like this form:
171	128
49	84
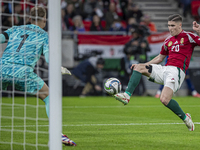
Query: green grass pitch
102	123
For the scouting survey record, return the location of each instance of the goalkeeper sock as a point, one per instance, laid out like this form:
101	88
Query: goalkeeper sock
174	106
133	82
46	100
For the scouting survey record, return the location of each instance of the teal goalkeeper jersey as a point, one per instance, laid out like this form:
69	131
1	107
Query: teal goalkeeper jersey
25	45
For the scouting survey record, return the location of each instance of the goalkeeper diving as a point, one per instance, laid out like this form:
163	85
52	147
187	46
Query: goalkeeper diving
25	44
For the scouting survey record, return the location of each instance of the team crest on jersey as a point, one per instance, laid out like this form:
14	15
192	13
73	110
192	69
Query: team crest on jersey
182	40
170	43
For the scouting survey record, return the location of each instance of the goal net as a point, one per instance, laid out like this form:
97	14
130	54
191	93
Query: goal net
23	120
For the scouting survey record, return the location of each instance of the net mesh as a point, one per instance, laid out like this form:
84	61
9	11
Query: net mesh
23	119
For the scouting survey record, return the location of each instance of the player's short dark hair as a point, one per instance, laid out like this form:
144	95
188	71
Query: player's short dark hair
175	17
100	61
37	13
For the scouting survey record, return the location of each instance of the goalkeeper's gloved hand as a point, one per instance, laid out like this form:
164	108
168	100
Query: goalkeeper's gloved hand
65	71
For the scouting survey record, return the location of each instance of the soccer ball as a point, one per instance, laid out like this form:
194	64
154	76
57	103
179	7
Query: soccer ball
112	86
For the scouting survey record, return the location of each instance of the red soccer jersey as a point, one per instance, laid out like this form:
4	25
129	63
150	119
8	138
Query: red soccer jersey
179	49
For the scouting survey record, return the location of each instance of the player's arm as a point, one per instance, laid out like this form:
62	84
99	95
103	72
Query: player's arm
46	55
194	39
158	59
196	27
63	70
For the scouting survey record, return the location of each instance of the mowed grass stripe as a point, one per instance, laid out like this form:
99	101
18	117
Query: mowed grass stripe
125	124
20	107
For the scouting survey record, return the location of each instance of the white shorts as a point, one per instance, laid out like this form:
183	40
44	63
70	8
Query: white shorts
169	76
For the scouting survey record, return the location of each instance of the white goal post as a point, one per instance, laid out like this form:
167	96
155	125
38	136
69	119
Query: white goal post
21	126
55	119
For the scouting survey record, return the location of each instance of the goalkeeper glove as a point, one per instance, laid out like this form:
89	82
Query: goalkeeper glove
65	71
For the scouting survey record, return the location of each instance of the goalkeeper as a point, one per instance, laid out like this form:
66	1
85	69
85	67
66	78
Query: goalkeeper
25	45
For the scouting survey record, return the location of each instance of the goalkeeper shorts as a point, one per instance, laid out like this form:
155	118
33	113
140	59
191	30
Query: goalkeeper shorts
29	82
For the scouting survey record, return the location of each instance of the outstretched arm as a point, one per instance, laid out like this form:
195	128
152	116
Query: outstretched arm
63	69
196	27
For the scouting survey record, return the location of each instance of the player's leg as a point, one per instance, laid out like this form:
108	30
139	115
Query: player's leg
37	86
88	87
166	99
44	95
138	71
43	92
173	79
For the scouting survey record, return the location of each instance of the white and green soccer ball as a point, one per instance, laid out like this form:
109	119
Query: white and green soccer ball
112	86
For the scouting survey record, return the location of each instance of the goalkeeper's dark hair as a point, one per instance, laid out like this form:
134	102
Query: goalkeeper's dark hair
100	61
175	17
37	13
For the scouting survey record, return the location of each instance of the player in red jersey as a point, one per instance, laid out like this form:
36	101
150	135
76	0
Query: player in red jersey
179	48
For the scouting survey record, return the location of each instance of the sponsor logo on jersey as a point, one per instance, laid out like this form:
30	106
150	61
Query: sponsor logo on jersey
176	42
170	43
182	40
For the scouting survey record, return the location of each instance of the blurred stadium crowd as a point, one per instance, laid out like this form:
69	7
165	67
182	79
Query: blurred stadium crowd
90	15
79	16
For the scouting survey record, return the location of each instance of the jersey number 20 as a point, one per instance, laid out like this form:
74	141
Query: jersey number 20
175	48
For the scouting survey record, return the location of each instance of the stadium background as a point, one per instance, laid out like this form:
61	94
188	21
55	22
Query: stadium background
73	50
101	122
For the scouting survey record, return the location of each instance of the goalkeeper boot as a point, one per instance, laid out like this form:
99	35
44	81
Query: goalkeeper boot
67	142
188	122
122	97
